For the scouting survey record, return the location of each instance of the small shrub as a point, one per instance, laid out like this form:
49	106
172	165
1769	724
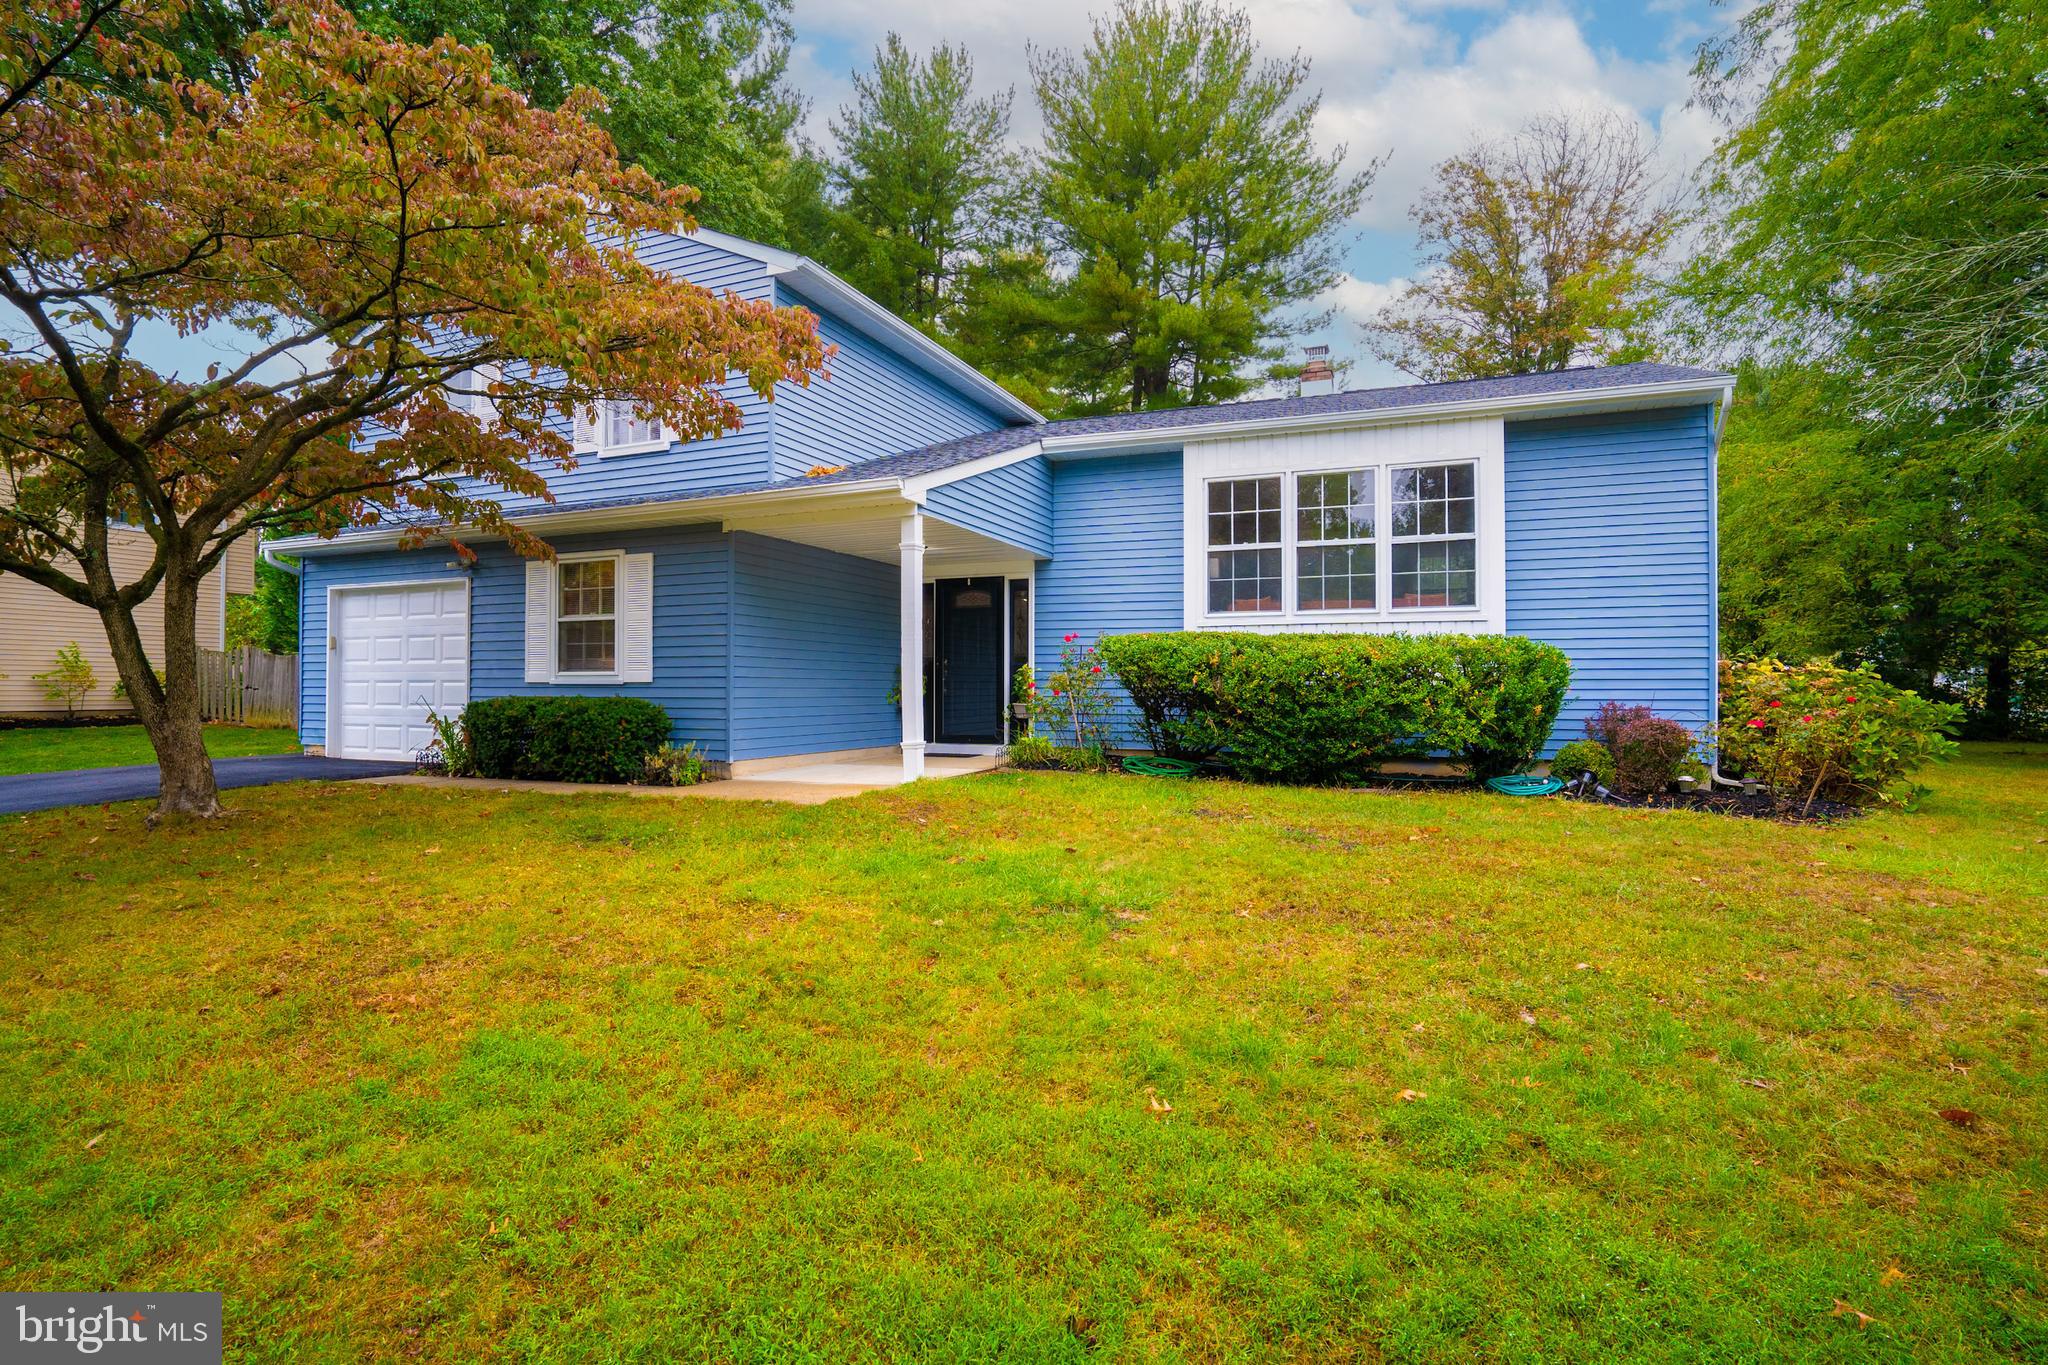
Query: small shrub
1647	754
1318	708
70	680
1584	756
1820	731
1033	751
564	738
672	765
449	753
1088	758
1605	725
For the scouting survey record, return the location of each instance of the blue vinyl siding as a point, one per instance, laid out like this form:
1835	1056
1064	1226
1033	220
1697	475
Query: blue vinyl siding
814	649
876	403
1012	504
1611	556
1116	566
702	264
691	590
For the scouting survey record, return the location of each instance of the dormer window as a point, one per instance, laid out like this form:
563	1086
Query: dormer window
470	391
618	427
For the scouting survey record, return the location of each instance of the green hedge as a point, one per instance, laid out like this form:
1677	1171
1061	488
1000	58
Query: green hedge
1318	708
564	739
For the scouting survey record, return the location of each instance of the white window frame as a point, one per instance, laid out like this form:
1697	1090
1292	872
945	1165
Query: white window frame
556	672
599	415
1380	448
1379	533
468	391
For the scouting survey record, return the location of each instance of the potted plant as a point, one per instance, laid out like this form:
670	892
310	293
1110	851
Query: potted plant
1020	693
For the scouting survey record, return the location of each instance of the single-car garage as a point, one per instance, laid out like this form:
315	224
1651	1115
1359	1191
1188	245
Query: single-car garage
397	650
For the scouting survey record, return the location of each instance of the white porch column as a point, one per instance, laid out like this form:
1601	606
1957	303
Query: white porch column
912	617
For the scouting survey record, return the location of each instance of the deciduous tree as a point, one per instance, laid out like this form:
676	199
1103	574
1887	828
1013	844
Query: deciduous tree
386	229
1537	254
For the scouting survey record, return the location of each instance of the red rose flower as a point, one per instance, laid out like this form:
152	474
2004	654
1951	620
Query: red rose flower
1068	638
1806	719
1757	724
1850	697
1777	703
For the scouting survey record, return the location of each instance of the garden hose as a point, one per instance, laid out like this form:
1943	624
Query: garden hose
1524	785
1145	765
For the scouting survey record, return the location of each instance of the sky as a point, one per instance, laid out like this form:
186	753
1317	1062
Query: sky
1415	81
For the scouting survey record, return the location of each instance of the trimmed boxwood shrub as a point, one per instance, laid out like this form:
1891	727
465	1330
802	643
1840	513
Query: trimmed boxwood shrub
1318	708
1584	756
564	739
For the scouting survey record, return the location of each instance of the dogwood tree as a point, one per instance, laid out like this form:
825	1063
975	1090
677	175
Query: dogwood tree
418	270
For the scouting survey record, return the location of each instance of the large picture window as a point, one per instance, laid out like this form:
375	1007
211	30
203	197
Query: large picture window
1373	542
587	616
1245	551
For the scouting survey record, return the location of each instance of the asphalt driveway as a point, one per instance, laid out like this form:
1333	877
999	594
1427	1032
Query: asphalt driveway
95	786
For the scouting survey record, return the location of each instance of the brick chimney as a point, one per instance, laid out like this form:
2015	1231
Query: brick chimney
1318	376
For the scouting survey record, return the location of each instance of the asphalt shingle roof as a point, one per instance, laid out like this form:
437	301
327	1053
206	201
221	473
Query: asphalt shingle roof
946	454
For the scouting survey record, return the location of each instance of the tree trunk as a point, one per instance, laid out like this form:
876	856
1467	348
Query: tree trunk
1997	718
169	712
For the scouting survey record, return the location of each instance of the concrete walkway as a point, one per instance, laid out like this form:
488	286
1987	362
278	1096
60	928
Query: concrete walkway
137	782
808	784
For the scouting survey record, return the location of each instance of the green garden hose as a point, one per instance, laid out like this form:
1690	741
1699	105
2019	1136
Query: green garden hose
1145	765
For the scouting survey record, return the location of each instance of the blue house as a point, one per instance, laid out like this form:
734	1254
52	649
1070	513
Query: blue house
771	608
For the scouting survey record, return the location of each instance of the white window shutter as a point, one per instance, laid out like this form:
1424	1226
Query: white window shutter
636	619
483	405
583	428
540	620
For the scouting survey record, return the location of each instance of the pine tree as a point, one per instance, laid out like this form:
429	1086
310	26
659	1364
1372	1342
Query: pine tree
1192	218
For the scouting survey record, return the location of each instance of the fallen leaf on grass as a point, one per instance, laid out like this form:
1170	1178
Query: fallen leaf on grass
1892	1275
1843	1310
1583	967
1757	1083
1527	1083
1157	1104
1961	1118
94	1140
1527	1016
1410	1096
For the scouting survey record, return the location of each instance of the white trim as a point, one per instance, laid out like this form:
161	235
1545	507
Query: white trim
1478	441
870	318
331	707
919	486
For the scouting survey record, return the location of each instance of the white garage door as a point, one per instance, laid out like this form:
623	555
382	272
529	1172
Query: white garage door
397	651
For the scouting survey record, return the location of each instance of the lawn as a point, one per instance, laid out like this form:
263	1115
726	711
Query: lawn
49	749
1040	1067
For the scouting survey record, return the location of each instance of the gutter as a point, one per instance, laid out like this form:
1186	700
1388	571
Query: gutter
266	550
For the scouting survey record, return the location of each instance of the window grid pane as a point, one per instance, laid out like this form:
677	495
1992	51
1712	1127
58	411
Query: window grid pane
1333	511
1244	580
588	647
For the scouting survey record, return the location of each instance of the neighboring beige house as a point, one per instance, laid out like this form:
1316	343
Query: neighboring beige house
35	623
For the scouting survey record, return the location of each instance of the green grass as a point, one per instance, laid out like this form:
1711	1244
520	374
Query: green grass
49	749
453	1076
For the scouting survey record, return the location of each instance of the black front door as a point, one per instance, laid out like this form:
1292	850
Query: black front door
967	661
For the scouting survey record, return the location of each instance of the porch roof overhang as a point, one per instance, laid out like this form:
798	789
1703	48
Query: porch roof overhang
855	517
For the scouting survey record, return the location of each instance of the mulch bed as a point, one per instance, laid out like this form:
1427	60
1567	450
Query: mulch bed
1762	806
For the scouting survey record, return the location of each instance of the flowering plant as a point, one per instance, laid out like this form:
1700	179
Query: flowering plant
1074	699
1818	730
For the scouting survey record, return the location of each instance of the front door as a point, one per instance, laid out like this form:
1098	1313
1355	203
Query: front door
967	661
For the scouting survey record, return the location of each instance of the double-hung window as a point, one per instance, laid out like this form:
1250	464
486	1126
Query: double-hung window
1245	552
587	616
1334	550
1435	537
1342	544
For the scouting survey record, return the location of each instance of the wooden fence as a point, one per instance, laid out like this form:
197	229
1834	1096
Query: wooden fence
248	686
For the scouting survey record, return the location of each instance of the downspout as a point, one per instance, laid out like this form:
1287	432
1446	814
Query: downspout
268	553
